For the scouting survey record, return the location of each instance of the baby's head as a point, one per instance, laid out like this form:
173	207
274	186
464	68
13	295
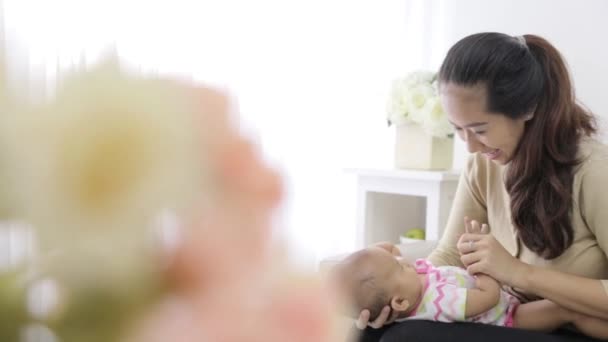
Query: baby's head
373	278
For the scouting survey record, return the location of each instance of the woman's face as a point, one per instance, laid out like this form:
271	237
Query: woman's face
492	134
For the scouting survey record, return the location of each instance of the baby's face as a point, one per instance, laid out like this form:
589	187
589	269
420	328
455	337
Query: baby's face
397	275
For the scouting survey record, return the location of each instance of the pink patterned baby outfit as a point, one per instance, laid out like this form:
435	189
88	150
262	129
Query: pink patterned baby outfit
445	295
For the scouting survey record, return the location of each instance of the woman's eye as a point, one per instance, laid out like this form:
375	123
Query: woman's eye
480	132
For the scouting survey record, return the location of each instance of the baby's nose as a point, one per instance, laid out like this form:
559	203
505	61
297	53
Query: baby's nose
403	261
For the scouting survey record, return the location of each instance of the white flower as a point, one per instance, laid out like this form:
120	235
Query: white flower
398	107
418	98
414	99
434	119
101	159
420	77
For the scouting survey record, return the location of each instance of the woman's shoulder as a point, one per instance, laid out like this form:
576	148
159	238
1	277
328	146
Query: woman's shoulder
594	148
593	168
593	155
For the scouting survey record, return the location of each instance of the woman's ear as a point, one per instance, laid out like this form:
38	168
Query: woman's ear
399	304
530	115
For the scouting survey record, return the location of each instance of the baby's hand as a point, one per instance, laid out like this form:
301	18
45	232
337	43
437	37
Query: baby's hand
486	283
474	227
470	227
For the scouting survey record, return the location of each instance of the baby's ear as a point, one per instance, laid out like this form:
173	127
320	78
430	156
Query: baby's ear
399	304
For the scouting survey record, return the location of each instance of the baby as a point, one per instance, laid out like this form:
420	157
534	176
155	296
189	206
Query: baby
376	277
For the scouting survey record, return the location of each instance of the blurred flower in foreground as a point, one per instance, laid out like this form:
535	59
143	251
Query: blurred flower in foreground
12	304
272	303
6	103
104	156
97	164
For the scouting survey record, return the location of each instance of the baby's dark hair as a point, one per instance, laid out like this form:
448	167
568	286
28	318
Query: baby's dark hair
358	278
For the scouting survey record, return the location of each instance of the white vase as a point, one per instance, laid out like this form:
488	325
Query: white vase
416	149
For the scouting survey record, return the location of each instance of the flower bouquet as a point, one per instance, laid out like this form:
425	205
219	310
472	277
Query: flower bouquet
424	138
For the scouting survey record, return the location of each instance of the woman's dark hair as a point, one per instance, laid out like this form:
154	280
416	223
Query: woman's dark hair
524	75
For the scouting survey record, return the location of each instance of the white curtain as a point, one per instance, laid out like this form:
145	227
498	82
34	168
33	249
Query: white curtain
310	78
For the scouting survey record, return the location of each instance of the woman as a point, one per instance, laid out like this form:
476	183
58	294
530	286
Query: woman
537	177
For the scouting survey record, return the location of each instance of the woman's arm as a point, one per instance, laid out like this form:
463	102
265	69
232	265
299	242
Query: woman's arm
468	202
486	255
584	295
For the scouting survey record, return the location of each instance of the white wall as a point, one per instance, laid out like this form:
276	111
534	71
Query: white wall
311	76
577	28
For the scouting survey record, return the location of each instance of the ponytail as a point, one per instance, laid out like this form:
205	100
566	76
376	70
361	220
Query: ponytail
541	174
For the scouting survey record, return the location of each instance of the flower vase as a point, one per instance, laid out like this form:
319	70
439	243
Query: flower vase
416	149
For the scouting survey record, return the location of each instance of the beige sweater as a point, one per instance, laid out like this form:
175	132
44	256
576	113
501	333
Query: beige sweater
482	195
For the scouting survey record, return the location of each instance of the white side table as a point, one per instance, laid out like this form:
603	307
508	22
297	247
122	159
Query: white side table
390	202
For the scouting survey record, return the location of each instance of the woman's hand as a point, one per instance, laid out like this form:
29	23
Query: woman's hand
382	320
482	253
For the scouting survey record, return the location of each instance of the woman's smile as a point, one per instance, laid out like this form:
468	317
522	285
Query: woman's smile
493	154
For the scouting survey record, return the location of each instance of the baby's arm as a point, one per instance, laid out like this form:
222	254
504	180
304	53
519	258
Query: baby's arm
389	247
482	298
